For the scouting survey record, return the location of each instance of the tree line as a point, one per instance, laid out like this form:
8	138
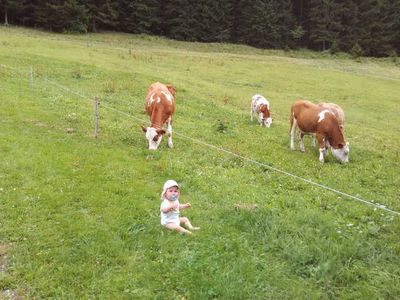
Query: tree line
360	27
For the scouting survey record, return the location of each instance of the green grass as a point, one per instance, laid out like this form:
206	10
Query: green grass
80	216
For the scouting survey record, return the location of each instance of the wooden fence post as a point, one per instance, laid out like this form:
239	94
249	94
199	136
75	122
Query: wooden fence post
96	116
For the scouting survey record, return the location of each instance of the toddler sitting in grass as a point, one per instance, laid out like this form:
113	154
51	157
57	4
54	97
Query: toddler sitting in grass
170	208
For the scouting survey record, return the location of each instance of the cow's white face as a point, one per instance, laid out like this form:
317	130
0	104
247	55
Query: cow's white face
342	154
268	122
264	121
154	137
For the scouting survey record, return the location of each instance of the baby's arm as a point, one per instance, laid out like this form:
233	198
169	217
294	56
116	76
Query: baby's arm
184	206
169	207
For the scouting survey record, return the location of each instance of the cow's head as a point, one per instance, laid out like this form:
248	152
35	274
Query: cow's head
171	89
342	153
265	115
154	136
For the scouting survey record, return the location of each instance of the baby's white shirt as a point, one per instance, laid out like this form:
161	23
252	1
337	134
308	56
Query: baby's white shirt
171	216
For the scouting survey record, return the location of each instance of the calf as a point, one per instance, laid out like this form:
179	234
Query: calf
260	106
160	106
313	119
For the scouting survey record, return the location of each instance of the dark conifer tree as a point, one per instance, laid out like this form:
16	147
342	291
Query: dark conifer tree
4	10
148	16
182	23
13	11
265	23
61	16
324	23
371	27
205	20
103	14
126	18
300	9
350	30
394	26
214	20
381	19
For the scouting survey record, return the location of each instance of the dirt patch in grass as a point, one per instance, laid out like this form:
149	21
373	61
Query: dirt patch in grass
3	256
249	207
6	293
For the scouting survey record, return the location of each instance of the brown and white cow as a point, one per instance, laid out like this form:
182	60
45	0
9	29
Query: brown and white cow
313	119
160	106
337	111
260	106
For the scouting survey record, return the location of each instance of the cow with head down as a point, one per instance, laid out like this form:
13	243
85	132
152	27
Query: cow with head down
160	106
337	111
310	118
260	106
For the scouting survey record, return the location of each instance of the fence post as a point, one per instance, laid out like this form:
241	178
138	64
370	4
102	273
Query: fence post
31	76
96	116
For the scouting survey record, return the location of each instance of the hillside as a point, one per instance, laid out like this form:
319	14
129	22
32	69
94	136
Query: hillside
79	216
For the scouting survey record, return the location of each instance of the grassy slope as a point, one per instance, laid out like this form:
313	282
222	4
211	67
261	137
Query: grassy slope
82	214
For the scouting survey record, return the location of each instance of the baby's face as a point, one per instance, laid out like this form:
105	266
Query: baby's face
172	193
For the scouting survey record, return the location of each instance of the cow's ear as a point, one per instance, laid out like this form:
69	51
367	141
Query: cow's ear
160	131
172	89
340	146
143	128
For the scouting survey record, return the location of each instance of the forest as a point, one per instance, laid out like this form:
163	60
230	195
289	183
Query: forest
359	27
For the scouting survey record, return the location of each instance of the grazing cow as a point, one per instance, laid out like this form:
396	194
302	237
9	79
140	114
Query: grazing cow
260	106
160	106
336	110
313	119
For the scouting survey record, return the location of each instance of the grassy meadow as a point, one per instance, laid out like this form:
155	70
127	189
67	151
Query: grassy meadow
79	216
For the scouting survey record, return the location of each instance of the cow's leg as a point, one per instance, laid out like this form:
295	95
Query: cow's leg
293	125
302	149
322	149
260	118
169	132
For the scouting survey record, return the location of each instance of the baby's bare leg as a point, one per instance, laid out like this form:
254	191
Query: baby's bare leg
185	221
177	227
